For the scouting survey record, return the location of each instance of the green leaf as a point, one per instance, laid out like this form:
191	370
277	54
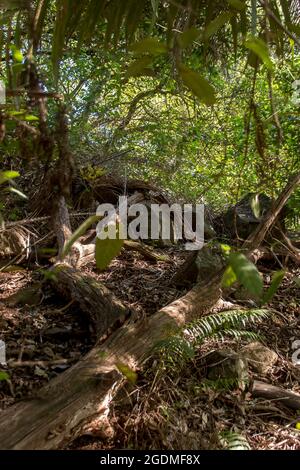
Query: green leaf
237	4
216	24
188	37
8	175
229	277
136	68
150	46
106	251
276	281
246	273
16	53
78	233
129	373
4	376
30	117
198	85
226	249
260	48
18	68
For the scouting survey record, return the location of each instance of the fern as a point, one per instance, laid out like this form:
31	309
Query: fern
222	384
238	334
208	326
234	441
179	349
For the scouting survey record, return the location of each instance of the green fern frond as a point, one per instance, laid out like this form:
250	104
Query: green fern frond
208	326
238	334
175	352
234	441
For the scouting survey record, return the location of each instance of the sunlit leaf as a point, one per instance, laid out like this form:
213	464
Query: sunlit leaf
30	117
8	175
246	273
4	376
107	250
17	54
229	277
129	373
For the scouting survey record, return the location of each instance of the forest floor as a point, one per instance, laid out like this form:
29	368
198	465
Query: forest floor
44	336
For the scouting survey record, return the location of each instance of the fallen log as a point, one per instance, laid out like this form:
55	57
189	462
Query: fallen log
99	304
271	392
65	408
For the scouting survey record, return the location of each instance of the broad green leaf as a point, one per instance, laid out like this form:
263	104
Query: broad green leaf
198	85
4	376
78	233
237	4
30	117
216	24
260	48
16	53
129	373
150	45
246	273
188	37
229	277
226	249
139	66
276	281
8	175
106	251
18	68
21	112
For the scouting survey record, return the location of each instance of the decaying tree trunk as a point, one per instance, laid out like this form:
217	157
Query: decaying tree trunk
65	408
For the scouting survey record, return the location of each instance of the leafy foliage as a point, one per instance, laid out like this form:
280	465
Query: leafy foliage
234	441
